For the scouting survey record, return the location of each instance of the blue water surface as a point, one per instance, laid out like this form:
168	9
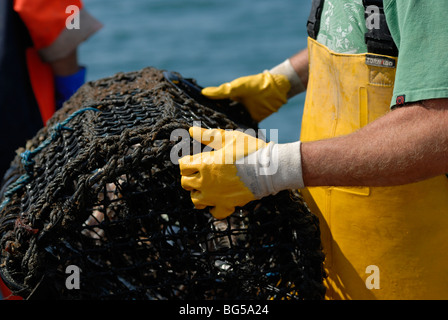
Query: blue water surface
213	41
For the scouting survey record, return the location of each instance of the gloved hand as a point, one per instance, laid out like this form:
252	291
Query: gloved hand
66	86
241	169
262	94
212	176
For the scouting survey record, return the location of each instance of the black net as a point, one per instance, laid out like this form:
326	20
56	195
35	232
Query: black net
97	189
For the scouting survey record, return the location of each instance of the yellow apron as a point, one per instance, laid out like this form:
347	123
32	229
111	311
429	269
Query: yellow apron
380	243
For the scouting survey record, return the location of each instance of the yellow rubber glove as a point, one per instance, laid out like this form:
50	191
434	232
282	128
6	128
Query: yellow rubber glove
262	94
211	177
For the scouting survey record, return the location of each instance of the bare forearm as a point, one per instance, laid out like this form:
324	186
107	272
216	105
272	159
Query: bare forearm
295	69
405	146
300	64
66	66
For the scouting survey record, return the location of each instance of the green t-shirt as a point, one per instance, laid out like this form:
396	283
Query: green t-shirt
343	26
419	30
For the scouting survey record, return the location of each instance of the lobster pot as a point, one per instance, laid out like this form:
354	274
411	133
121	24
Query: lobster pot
93	208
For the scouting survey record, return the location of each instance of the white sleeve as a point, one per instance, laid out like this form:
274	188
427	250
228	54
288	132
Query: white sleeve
272	169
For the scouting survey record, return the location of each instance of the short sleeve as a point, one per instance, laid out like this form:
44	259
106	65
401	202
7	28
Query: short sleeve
420	32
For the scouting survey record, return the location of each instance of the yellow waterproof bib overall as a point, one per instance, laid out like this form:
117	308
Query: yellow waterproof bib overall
380	243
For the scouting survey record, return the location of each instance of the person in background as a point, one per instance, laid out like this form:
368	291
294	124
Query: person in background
39	67
372	159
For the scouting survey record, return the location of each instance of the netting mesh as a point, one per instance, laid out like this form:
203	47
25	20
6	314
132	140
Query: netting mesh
97	189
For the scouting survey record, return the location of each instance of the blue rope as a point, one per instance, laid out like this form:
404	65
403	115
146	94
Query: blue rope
28	155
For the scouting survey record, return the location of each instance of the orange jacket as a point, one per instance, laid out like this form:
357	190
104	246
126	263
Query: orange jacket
45	20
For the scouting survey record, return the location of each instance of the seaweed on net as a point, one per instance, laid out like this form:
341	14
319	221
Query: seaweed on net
97	189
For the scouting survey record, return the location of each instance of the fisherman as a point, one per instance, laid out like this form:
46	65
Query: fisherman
373	151
39	67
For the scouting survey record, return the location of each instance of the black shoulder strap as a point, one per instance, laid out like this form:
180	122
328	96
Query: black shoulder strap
378	40
313	23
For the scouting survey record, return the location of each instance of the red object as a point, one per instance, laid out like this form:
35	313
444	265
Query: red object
42	82
6	293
